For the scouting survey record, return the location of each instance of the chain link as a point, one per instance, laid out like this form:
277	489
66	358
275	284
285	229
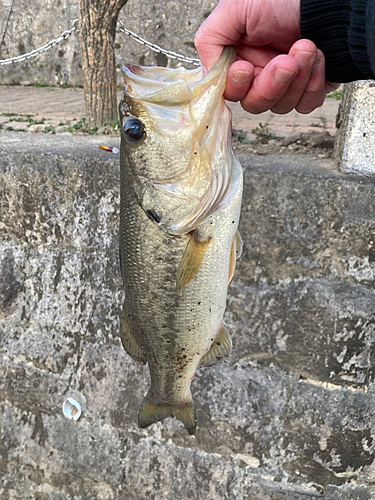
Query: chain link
156	48
66	34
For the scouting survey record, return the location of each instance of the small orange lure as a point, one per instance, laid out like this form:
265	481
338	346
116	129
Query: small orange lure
108	148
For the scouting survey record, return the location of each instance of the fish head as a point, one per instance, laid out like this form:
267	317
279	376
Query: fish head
175	141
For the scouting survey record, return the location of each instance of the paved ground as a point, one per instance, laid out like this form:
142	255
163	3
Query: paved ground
58	110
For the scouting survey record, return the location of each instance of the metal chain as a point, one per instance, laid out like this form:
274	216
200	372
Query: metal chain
156	48
64	35
134	36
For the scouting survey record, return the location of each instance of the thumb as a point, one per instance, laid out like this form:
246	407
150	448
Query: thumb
218	30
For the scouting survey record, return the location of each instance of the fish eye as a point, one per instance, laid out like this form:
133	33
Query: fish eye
134	129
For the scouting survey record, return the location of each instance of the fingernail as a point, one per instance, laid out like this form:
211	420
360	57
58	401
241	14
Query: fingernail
317	63
303	58
240	77
282	75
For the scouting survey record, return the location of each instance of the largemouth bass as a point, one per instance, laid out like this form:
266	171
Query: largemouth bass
181	190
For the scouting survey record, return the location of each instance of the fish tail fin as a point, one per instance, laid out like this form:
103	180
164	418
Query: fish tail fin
152	412
186	414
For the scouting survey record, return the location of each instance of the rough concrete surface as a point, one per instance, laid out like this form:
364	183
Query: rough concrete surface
355	142
289	416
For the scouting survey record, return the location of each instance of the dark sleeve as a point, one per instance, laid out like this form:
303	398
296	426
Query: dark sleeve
371	33
344	31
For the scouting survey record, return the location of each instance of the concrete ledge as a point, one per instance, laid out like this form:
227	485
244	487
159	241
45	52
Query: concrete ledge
355	140
289	416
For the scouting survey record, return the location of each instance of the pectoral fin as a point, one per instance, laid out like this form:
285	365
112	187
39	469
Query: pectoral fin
129	343
220	349
191	261
235	253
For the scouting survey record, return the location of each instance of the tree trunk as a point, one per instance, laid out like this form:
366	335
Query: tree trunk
97	27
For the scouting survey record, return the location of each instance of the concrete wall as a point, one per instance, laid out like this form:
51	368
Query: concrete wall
169	24
289	416
355	140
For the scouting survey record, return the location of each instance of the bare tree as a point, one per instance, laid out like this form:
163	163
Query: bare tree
98	20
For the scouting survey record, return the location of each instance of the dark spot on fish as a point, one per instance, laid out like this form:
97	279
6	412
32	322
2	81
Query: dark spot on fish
218	343
232	221
212	340
182	348
199	303
153	216
168	341
195	152
209	309
206	126
184	356
164	326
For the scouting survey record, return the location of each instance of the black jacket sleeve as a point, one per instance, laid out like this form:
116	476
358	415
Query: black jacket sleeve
344	30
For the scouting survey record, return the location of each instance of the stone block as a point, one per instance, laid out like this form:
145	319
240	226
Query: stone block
355	139
289	416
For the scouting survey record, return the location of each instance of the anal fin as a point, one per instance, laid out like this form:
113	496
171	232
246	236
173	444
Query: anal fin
129	343
191	261
220	348
152	412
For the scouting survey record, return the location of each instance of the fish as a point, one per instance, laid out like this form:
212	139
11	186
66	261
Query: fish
180	199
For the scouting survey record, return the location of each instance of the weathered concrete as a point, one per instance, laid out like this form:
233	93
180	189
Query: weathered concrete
289	416
355	140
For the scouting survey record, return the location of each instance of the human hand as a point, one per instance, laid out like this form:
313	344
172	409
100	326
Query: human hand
274	68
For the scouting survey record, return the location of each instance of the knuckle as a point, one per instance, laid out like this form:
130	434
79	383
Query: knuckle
314	88
306	106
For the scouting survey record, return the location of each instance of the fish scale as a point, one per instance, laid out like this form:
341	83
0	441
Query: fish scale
176	253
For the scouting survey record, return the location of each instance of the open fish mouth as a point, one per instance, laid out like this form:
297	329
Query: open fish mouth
179	110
